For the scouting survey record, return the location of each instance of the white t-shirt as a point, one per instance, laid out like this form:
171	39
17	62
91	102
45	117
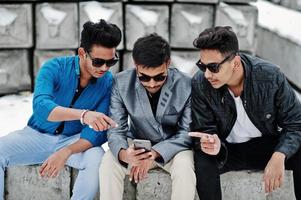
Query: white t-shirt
243	129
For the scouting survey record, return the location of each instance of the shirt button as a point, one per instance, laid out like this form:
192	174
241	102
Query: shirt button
76	90
56	131
268	116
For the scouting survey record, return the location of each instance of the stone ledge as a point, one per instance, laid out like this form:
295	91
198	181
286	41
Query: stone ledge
25	183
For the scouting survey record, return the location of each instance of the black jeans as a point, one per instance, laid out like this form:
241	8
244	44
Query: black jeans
253	154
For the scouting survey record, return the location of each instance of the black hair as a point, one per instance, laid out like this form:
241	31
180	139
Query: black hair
151	51
101	33
218	38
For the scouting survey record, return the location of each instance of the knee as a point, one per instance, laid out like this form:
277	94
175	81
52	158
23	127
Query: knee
205	164
182	166
93	157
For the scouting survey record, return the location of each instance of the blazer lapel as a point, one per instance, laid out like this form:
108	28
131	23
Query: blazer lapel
164	99
144	103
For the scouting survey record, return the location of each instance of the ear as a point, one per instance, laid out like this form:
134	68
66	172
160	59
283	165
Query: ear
168	63
81	53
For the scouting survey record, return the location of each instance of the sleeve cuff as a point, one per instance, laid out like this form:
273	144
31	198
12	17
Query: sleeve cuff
95	138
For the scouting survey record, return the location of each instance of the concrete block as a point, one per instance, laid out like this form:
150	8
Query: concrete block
145	19
57	26
238	1
16	26
248	185
185	61
200	1
292	4
94	11
14	71
280	51
41	56
127	61
194	18
243	20
26	183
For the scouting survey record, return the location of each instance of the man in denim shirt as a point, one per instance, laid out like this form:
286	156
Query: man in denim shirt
69	122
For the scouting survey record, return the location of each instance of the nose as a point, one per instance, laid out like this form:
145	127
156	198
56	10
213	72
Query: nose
104	67
152	83
208	74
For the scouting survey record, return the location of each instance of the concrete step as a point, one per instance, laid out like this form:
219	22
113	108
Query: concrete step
25	183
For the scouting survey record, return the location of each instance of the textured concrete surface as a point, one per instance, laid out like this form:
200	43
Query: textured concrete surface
18	19
243	20
25	183
281	51
194	18
14	71
145	19
57	26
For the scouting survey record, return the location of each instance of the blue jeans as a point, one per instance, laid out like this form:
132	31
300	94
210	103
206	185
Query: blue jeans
28	146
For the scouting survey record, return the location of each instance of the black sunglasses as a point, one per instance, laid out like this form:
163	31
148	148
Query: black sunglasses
158	78
98	62
213	67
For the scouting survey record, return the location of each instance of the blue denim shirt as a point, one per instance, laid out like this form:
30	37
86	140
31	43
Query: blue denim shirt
56	85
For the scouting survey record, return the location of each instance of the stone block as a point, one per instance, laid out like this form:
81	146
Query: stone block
238	1
57	26
200	1
194	18
14	71
292	4
26	183
243	20
145	19
248	185
16	26
185	61
94	11
41	56
280	51
127	61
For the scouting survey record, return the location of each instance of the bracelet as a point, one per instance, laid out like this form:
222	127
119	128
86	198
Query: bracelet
82	117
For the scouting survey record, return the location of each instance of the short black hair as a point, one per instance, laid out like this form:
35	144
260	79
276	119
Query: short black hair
218	38
151	51
101	33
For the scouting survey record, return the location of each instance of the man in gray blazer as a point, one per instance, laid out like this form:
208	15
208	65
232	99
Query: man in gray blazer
150	102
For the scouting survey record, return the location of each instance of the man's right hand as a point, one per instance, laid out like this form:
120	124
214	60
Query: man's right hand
98	121
132	156
210	144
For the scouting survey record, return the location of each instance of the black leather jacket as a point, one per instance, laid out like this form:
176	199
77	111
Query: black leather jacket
268	99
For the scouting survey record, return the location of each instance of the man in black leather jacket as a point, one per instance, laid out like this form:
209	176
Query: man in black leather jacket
245	115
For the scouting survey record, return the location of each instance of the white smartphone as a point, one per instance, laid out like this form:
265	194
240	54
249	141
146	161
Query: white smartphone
142	144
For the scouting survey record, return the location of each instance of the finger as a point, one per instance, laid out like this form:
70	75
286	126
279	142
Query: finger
95	127
50	172
196	134
281	179
138	151
54	173
143	156
43	167
110	121
208	146
276	183
271	185
46	170
131	176
136	175
104	124
136	163
141	175
99	125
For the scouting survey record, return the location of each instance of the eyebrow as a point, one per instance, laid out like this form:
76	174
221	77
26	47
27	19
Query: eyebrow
152	76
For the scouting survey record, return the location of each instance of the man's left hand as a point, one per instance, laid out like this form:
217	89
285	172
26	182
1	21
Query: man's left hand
274	172
138	173
55	163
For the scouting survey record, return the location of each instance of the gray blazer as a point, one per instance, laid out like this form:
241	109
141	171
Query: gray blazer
130	108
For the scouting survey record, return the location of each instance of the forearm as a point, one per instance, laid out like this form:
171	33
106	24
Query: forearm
60	113
79	146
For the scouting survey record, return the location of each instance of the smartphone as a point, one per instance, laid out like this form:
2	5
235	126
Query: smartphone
142	144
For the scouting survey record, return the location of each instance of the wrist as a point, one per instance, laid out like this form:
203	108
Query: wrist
82	117
67	151
121	155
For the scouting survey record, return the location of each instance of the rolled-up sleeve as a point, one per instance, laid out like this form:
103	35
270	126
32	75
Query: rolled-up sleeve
97	138
46	81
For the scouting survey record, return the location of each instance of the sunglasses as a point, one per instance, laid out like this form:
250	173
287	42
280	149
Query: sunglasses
213	67
98	62
157	78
